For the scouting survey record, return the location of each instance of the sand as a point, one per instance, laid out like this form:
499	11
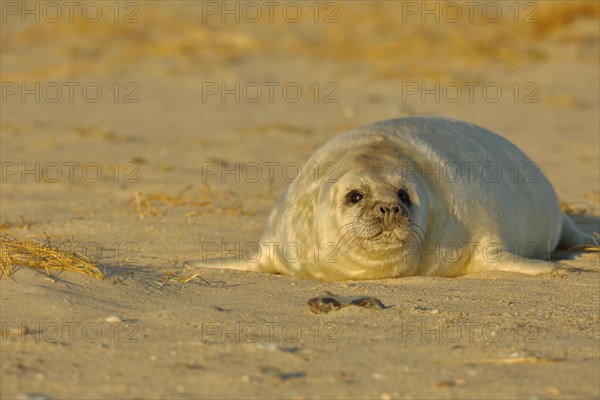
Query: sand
124	176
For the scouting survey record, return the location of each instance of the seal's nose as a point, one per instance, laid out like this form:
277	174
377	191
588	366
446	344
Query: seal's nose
387	211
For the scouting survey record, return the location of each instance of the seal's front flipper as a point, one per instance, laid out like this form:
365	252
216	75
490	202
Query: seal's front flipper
227	263
510	262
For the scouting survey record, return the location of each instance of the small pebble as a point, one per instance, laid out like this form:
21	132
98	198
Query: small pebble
113	319
267	346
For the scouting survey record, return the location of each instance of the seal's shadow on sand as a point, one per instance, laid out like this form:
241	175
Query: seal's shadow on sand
161	277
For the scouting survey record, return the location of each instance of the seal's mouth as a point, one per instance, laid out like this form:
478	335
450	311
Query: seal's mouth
389	234
375	234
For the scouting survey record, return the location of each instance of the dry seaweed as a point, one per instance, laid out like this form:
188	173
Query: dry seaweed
44	255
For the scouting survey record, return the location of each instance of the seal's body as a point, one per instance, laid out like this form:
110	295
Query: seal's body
414	196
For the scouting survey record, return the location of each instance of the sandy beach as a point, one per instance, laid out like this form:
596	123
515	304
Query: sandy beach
141	134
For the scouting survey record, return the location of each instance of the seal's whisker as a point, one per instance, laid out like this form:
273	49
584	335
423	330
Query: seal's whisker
348	236
419	236
355	232
349	224
351	243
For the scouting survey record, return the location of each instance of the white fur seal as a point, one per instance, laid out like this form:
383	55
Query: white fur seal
412	196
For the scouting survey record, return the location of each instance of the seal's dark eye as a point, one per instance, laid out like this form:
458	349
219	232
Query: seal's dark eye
404	197
354	196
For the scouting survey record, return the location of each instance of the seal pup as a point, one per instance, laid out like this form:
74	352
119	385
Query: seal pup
412	196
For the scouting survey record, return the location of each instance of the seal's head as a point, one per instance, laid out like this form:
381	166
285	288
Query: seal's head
376	211
372	213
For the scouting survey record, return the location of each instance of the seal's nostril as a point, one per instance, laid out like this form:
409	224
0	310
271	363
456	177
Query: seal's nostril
382	210
396	210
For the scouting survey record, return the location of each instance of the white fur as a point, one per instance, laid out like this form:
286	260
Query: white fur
472	218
